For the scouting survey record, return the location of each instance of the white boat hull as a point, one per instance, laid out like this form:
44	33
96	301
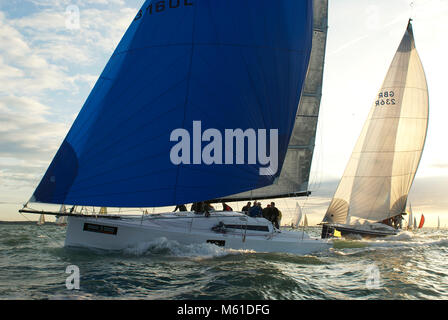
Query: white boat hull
241	233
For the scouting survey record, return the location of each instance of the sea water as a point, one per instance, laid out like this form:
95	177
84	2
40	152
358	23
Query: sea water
35	265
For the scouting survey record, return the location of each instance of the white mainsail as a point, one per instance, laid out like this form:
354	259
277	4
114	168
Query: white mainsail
382	167
305	221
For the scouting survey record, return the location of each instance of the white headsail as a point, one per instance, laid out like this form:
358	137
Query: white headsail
380	172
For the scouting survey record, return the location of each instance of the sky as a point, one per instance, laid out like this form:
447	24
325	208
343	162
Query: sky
52	52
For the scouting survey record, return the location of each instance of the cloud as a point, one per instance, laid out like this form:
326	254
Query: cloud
25	130
46	72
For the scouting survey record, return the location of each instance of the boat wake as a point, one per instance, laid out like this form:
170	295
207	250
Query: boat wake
163	246
405	239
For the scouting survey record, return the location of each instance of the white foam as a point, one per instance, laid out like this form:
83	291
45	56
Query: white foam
174	248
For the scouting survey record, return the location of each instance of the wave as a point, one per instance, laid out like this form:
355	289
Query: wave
163	246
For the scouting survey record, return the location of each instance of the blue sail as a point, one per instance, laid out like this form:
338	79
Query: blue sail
233	64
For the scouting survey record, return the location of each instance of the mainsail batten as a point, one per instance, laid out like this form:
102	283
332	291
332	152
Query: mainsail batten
382	167
230	64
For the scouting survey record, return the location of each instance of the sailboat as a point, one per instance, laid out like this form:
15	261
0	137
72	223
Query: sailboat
410	217
297	218
415	223
305	221
422	222
374	188
202	101
41	220
61	220
438	223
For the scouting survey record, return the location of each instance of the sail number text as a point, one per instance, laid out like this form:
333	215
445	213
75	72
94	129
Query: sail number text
385	98
160	6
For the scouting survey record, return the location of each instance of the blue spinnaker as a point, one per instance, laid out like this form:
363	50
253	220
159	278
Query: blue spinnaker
227	63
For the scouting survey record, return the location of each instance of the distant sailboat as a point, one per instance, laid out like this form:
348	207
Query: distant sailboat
374	188
61	220
41	220
297	218
305	221
438	223
422	222
415	223
410	217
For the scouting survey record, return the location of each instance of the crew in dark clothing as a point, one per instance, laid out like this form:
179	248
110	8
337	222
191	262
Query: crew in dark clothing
226	207
246	208
198	207
208	207
256	211
275	213
181	207
267	212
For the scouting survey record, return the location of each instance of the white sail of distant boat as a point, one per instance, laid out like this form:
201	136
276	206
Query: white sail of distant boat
378	177
438	223
410	217
41	220
61	220
297	218
415	223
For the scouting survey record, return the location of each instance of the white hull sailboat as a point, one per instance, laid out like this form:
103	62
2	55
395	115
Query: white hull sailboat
130	145
229	230
372	194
